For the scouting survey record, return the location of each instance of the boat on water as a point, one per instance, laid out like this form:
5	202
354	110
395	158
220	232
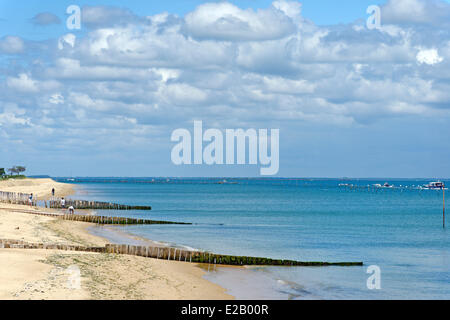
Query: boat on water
435	185
227	182
386	185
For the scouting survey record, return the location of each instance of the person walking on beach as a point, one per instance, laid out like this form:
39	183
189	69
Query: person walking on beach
30	200
63	203
53	192
71	210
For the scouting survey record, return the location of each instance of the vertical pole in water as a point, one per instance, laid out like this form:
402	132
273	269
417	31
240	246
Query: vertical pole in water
443	206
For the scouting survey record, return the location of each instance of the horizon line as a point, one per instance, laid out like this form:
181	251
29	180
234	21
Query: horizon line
238	177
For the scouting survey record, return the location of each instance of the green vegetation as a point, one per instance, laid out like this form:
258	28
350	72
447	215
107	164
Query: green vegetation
14	172
6	177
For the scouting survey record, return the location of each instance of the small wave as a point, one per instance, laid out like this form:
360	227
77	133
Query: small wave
189	248
175	245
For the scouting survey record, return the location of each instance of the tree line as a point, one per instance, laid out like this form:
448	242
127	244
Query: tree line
17	170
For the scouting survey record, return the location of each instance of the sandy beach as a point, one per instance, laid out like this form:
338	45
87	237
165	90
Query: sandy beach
44	274
41	188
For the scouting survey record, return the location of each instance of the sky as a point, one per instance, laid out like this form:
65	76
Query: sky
348	100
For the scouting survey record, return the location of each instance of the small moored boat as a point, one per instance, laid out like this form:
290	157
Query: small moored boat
434	185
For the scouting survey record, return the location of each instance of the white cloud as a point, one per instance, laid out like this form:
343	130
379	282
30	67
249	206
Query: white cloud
166	74
68	39
23	83
13	115
11	45
26	84
292	9
429	56
416	11
8	118
225	21
139	78
56	98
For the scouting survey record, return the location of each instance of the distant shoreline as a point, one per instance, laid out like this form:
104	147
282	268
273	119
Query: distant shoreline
248	178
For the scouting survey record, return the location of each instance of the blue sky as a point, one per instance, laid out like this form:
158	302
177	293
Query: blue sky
104	100
15	18
321	12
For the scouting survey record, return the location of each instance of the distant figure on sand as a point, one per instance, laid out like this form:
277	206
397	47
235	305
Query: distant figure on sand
71	210
63	203
30	200
53	192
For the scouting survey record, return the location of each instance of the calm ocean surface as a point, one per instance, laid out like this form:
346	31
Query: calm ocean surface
399	230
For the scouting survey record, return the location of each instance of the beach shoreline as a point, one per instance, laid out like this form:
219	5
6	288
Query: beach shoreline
42	274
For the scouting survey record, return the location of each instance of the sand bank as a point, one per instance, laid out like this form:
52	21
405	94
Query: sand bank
40	187
43	274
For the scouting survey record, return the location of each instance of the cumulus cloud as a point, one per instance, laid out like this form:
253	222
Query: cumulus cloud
225	21
11	115
22	83
45	19
416	11
135	77
11	45
67	40
56	98
430	56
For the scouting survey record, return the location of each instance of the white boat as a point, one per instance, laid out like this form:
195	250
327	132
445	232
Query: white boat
436	185
345	185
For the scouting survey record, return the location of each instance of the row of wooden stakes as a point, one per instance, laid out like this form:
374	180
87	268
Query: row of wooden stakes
16	198
115	220
24	199
173	254
98	205
98	219
20	244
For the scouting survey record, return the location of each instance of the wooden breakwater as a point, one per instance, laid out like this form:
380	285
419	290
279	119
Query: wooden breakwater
115	220
16	198
97	205
23	198
98	219
20	244
173	254
177	254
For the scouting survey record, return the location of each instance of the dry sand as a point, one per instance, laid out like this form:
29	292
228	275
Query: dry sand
44	274
42	188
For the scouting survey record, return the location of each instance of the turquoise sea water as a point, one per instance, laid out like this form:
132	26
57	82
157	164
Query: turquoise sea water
399	230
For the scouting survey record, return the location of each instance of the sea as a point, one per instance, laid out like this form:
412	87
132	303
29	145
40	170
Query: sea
397	232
